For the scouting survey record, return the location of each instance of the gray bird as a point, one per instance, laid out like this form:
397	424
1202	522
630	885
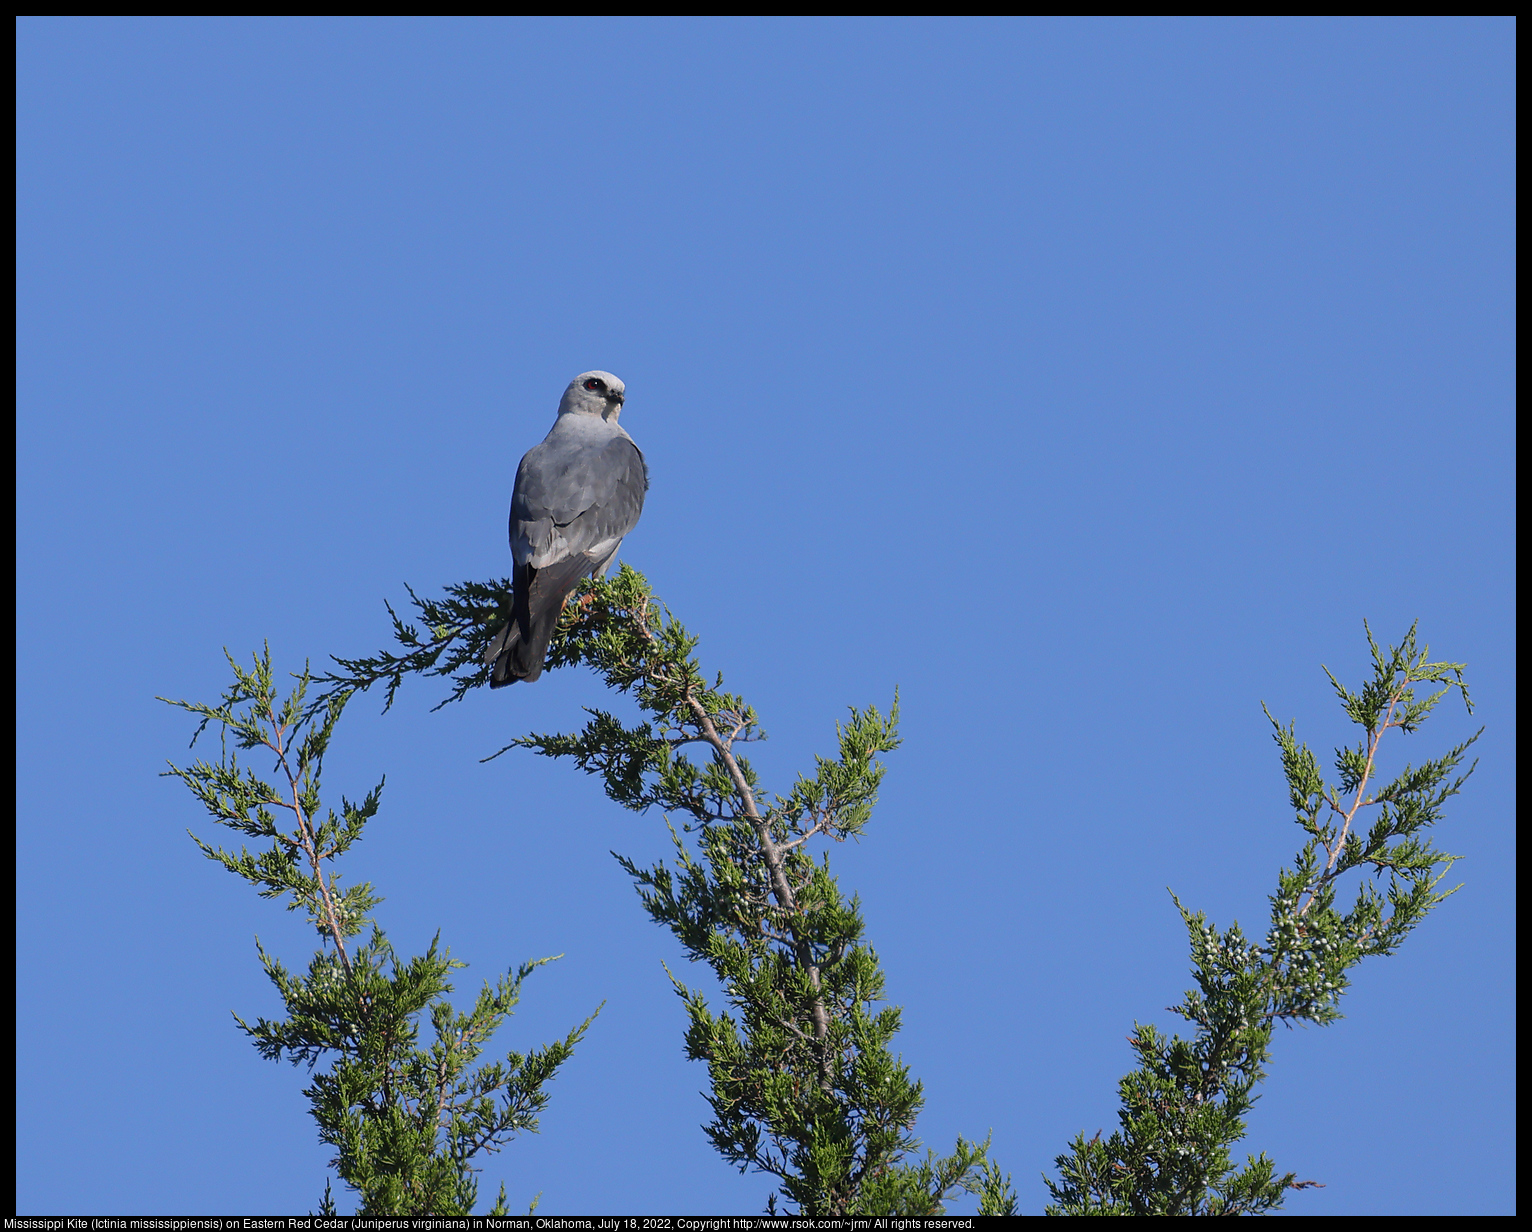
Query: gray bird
577	494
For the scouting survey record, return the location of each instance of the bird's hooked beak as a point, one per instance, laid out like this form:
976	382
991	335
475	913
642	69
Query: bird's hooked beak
614	402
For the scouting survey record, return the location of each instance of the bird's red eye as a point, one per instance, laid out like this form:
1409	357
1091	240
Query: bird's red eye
593	383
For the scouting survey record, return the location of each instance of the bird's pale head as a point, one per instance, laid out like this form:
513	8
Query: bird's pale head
593	393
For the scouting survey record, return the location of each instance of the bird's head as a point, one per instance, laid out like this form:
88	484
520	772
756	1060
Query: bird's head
593	393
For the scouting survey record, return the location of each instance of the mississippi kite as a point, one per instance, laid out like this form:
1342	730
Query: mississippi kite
577	494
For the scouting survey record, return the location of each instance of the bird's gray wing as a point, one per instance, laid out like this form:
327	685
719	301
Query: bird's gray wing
576	496
573	503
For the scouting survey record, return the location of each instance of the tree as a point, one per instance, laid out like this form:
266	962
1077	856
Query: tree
804	1087
406	1121
1183	1107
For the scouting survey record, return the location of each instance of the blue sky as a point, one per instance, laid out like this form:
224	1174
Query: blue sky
1088	380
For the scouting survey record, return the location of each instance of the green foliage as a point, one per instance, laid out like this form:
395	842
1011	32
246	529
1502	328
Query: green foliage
804	1087
461	627
405	1120
1183	1107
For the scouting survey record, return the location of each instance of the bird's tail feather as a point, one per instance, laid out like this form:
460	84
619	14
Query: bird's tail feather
494	656
521	647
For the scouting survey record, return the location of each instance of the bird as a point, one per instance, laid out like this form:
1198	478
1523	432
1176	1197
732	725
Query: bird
576	496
